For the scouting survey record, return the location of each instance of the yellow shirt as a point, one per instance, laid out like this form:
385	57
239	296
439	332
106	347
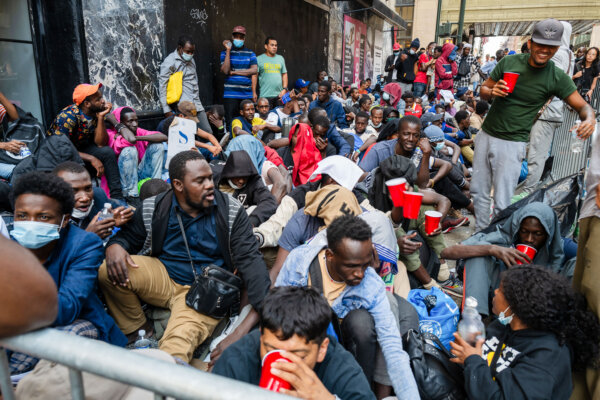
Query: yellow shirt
331	289
238	123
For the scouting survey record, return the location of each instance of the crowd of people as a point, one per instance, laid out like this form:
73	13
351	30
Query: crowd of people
275	229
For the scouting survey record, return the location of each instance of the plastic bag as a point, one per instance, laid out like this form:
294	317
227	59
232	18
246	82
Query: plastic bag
438	313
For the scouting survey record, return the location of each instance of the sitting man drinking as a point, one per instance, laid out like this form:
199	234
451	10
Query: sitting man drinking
193	228
338	262
488	254
43	205
295	320
89	201
248	123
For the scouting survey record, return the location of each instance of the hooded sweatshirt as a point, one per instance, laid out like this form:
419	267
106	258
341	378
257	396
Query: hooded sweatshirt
532	365
565	60
254	193
506	234
445	69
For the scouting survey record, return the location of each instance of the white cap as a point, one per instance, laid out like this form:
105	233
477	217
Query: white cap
340	169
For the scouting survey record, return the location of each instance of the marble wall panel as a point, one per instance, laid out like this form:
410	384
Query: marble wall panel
125	46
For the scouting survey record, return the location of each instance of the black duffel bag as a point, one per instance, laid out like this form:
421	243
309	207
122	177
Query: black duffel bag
437	377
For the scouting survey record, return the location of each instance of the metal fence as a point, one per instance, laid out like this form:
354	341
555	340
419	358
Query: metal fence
86	355
565	161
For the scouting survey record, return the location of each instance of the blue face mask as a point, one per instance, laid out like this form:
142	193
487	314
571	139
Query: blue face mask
34	234
385	96
503	319
396	53
187	57
238	42
439	146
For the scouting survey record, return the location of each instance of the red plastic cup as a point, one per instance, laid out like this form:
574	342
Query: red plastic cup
530	251
412	204
397	187
432	221
267	379
511	80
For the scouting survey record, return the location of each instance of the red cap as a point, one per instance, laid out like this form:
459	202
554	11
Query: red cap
84	90
240	29
396	46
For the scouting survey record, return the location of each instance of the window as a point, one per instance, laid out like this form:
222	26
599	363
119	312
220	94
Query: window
18	73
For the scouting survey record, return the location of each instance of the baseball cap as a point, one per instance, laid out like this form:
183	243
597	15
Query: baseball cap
239	29
188	109
300	83
548	32
396	46
428	118
434	133
84	90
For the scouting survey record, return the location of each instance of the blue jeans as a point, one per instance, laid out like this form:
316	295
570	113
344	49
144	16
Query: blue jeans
419	89
6	170
132	172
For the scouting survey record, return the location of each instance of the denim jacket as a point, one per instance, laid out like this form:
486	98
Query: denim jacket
369	295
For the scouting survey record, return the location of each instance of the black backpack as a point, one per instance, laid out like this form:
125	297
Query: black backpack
437	378
463	68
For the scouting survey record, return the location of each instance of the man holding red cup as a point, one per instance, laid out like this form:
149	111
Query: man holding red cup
529	236
292	351
520	85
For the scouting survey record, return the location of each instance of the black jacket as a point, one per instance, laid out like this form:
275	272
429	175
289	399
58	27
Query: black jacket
390	168
240	248
533	365
389	67
339	372
255	193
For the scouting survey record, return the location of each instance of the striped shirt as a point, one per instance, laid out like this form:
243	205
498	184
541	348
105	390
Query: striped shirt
238	86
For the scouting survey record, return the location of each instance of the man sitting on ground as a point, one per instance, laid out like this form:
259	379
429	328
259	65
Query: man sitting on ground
364	134
337	262
488	254
248	123
334	109
218	232
83	123
295	320
89	201
462	136
43	204
376	121
481	109
141	155
273	123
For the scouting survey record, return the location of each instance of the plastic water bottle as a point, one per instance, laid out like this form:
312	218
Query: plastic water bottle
106	212
576	143
416	157
24	152
142	341
471	323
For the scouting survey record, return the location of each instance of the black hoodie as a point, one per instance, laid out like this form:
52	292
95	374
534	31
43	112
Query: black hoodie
255	193
533	365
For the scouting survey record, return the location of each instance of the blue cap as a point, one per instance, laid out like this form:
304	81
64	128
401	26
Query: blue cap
300	83
434	133
461	91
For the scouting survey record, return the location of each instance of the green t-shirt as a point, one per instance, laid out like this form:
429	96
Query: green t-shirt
511	117
269	74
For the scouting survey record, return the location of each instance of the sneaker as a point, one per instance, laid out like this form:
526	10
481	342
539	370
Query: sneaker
450	224
452	213
452	287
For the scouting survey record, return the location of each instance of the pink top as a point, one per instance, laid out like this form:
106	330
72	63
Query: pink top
120	143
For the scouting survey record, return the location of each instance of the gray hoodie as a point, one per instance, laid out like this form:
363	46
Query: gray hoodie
550	255
565	60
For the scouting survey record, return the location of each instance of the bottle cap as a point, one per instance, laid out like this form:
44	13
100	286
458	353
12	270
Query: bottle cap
471	302
107	205
142	332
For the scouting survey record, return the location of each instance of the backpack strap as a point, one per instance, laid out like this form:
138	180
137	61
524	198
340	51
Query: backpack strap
147	214
234	208
314	271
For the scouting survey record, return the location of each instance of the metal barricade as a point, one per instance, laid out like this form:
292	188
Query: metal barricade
566	162
86	355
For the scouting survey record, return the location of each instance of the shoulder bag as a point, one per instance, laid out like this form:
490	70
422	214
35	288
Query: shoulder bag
214	293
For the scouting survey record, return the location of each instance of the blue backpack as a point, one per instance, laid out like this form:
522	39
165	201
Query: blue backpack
438	313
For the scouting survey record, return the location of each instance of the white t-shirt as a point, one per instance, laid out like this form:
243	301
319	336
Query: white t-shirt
395	73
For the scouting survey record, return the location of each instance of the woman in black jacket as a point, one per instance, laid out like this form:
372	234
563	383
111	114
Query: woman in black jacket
544	330
240	179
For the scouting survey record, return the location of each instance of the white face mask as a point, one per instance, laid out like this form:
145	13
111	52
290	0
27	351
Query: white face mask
233	185
187	57
78	214
411	51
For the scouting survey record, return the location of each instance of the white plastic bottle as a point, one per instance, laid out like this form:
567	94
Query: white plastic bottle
471	323
576	143
142	341
106	212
